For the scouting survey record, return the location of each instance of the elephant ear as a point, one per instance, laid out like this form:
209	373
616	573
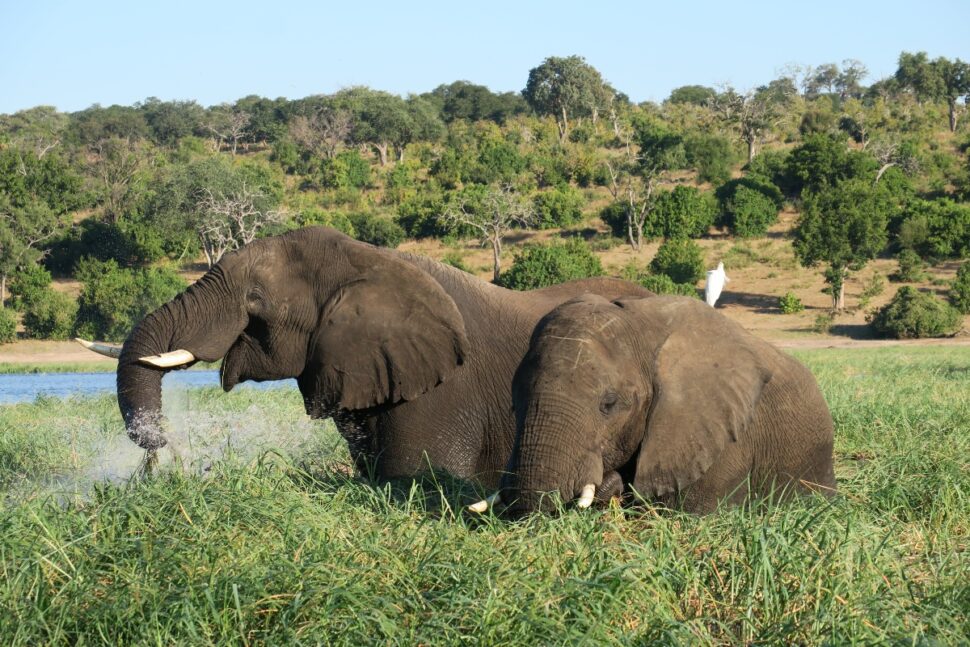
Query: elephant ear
388	335
707	382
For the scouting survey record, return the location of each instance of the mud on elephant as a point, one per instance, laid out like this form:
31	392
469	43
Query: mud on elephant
665	397
412	358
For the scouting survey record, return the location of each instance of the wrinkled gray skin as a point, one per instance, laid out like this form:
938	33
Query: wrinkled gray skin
665	396
412	358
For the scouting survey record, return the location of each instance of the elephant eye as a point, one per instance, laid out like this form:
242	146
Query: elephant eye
608	403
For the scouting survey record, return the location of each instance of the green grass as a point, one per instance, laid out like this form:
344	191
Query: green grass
251	545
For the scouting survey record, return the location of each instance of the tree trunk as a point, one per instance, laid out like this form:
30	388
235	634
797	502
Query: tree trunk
382	151
563	126
496	259
3	290
840	300
953	115
750	143
400	154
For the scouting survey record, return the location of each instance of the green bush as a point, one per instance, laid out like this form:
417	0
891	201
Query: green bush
823	323
790	304
960	289
114	299
538	266
711	155
614	216
684	212
558	207
50	315
910	266
347	170
749	205
419	214
456	260
913	314
680	259
936	228
28	284
336	219
373	229
8	325
658	283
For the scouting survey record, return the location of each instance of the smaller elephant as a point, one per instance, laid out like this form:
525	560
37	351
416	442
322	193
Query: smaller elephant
666	397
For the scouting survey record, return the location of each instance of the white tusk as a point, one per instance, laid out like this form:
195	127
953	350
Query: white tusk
484	504
101	349
586	496
170	359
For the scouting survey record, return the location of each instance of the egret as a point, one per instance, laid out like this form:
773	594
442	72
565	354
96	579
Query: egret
714	284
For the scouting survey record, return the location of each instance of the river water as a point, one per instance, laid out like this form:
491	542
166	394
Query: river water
26	387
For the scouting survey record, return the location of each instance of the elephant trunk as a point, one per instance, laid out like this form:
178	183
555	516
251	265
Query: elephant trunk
556	453
195	321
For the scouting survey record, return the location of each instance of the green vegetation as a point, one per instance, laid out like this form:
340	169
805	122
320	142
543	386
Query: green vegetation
270	543
790	304
910	267
539	266
680	259
960	289
912	314
8	326
168	184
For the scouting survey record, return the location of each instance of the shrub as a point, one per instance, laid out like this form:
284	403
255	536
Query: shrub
684	212
749	206
345	171
910	266
376	230
770	166
50	315
823	323
614	216
913	314
113	299
538	266
680	259
28	284
960	289
658	283
419	214
790	304
875	287
936	228
336	219
711	155
8	326
558	207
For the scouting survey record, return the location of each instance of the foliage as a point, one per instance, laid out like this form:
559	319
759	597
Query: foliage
129	243
910	267
684	212
376	230
844	227
539	266
712	156
790	304
566	87
698	95
50	315
471	102
614	216
748	205
658	283
419	215
457	260
936	228
960	289
873	288
824	160
313	216
681	259
558	207
770	167
114	299
823	323
8	326
913	314
347	170
28	285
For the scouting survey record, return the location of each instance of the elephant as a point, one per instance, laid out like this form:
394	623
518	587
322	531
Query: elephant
412	358
667	398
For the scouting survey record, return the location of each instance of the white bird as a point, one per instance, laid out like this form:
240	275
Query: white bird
714	284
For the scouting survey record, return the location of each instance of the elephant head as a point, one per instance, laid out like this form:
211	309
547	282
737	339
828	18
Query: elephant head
356	325
641	391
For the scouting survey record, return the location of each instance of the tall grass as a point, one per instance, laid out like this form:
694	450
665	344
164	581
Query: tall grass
251	545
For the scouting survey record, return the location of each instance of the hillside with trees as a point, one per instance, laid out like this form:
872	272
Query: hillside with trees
815	180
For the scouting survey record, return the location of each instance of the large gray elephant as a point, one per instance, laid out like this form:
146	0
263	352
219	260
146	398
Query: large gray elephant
664	396
412	358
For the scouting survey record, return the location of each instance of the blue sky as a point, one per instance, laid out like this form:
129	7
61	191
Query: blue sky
74	54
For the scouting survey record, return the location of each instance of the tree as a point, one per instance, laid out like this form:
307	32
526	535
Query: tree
493	213
23	229
381	119
844	226
938	80
698	95
39	130
230	220
471	102
566	88
752	114
539	266
322	133
170	121
228	124
96	123
116	163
